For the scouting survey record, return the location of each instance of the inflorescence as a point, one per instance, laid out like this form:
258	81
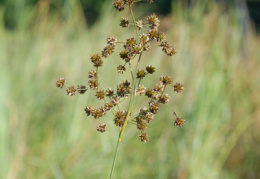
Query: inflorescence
112	98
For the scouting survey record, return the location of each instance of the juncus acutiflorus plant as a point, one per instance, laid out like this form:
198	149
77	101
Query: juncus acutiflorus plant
147	32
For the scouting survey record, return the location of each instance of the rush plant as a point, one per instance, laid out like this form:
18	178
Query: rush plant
147	36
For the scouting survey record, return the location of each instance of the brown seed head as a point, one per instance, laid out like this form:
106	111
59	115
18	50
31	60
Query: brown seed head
101	127
144	137
60	82
71	91
179	122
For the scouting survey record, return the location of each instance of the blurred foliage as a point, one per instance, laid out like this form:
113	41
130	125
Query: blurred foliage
46	134
92	9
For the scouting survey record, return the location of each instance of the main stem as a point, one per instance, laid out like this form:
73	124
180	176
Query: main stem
131	102
114	161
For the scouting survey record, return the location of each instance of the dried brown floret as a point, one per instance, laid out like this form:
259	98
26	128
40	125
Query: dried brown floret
153	34
139	24
119	5
108	51
165	80
178	87
140	90
100	94
108	106
120	117
97	113
130	2
124	54
92	74
149	116
112	40
153	21
101	127
124	22
137	49
71	91
121	69
123	88
150	1
89	110
144	137
60	82
171	52
149	93
146	47
109	92
165	98
115	100
150	69
81	89
154	107
140	74
179	122
144	38
159	87
161	36
141	123
96	60
93	84
130	43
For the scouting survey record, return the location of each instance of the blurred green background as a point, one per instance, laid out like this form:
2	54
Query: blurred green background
45	134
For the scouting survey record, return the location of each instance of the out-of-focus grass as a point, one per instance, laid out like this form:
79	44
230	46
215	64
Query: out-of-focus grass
45	134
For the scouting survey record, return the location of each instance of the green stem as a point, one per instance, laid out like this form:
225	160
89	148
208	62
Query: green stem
136	30
114	161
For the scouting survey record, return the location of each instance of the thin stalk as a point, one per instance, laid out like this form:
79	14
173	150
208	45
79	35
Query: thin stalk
136	30
114	161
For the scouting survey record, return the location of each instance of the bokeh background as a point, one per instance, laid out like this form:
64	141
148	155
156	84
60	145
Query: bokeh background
45	134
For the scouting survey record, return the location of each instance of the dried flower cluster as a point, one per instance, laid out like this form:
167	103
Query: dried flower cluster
130	89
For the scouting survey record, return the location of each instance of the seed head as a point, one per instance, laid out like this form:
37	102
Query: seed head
164	98
140	90
96	60
178	87
149	93
92	74
124	54
81	89
101	127
120	117
144	137
153	21
153	34
124	22
154	107
109	92
140	74
60	82
121	69
97	113
119	5
165	80
100	94
150	69
93	84
161	36
71	91
108	106
89	110
139	24
108	51
179	122
112	40
144	38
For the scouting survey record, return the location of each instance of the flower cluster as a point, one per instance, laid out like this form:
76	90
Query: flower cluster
132	49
